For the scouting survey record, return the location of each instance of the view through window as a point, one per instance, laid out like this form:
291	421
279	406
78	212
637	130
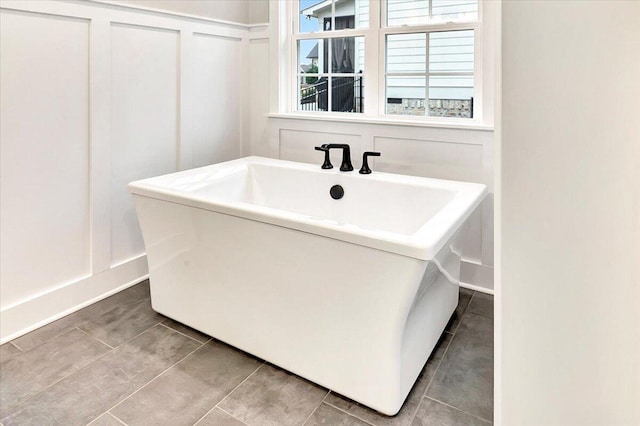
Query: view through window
428	60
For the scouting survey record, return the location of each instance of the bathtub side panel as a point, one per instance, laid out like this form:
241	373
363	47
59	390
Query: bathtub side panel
330	311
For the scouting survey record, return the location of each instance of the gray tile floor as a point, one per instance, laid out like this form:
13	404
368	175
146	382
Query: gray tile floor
118	362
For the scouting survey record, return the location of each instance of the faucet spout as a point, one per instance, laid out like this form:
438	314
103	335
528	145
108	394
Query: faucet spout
346	165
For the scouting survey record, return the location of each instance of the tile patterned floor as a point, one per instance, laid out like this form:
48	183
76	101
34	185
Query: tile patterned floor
118	362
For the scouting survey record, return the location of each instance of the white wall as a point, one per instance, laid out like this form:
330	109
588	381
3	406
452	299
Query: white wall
570	213
259	85
94	96
241	11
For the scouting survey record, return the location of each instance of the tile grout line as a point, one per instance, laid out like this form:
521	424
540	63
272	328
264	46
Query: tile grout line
177	331
456	408
470	300
137	335
466	308
109	414
465	312
93	337
16	408
348	413
426	389
19	348
155	377
415	413
239	384
229	414
227	395
115	417
315	409
480	315
45	341
435	373
75	324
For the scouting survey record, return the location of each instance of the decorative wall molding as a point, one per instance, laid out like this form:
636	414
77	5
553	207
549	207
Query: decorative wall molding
444	153
55	303
152	106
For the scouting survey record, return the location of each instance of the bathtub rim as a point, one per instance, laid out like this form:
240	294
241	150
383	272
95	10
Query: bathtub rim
424	244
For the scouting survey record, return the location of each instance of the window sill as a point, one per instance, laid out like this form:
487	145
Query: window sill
385	121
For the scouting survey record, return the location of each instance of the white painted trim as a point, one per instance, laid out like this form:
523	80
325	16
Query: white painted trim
497	218
184	151
261	32
261	24
173	14
100	143
245	96
115	14
26	316
477	275
131	259
477	288
351	118
285	15
57	299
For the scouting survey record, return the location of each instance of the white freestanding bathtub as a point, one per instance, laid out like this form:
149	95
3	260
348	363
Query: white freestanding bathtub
351	294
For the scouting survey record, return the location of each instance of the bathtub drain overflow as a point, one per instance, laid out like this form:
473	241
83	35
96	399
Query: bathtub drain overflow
336	192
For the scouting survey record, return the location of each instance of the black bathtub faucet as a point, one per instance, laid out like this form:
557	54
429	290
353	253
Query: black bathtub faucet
365	170
346	156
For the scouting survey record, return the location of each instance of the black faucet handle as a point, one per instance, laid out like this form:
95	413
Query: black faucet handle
327	161
365	170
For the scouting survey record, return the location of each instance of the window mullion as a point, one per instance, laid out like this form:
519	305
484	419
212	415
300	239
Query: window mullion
408	29
333	15
478	75
337	34
329	78
428	69
293	90
373	62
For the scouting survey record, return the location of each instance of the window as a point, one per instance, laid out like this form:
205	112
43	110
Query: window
421	56
330	69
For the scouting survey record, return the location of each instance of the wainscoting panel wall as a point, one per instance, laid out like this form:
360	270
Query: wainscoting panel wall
444	153
144	123
294	145
217	111
94	96
44	152
259	94
437	159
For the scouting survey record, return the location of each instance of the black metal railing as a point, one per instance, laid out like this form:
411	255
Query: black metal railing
347	95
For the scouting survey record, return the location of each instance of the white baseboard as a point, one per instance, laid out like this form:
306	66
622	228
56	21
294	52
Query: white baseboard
476	276
26	316
476	288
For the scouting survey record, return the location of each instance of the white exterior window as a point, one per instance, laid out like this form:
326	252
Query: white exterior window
422	57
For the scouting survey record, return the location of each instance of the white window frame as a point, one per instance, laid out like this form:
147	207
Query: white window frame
287	36
367	33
